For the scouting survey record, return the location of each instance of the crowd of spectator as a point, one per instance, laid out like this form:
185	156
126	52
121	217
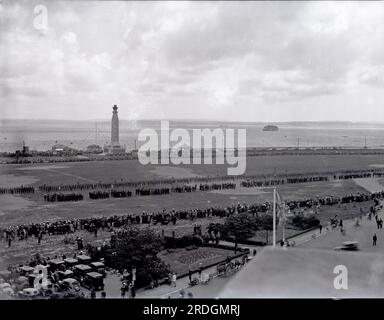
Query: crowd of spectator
111	223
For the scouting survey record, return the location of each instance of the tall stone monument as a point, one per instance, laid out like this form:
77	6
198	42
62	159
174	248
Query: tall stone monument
115	128
114	146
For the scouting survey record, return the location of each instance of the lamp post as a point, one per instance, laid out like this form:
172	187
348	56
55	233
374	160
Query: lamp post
274	218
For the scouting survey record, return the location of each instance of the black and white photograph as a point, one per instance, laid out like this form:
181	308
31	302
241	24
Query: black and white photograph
168	150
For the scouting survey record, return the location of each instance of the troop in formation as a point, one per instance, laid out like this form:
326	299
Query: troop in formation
154	191
95	195
60	197
17	190
106	194
249	182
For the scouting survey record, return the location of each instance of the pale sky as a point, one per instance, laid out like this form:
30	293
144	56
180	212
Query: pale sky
249	61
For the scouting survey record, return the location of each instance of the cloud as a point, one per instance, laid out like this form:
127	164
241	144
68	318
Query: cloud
189	59
373	76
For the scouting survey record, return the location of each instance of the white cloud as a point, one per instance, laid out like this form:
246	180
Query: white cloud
227	60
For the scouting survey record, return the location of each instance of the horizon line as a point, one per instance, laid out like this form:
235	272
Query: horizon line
198	120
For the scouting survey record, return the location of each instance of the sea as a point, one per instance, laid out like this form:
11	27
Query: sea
41	135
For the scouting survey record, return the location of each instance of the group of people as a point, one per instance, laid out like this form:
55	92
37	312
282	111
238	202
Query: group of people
250	180
93	224
251	183
276	182
128	285
61	197
151	191
95	195
124	184
329	201
17	190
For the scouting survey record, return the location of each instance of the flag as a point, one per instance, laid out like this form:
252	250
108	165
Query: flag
281	208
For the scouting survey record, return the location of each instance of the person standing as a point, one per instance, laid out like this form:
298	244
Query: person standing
200	269
133	290
374	239
190	273
123	290
174	278
130	290
39	238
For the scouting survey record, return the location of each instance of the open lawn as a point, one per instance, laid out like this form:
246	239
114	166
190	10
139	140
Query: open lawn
131	170
15	209
32	208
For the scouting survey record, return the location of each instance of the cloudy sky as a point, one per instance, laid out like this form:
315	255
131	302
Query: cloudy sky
250	61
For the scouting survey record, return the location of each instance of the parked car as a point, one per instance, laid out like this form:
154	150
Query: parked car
65	274
68	284
83	259
70	262
25	270
5	275
93	280
98	267
21	283
80	270
29	293
6	288
56	264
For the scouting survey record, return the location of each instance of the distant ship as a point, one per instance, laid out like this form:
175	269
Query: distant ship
271	128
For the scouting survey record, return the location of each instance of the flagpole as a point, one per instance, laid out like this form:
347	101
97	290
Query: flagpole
274	218
284	216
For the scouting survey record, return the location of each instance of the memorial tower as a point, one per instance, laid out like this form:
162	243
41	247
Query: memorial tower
115	128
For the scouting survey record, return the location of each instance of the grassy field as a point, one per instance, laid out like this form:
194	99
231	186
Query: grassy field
32	208
130	170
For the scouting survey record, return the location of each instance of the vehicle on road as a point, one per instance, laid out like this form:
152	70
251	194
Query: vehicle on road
28	293
93	280
68	284
98	267
6	288
349	246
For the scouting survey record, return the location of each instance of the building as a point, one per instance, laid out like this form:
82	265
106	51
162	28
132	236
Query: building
61	149
94	148
114	147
